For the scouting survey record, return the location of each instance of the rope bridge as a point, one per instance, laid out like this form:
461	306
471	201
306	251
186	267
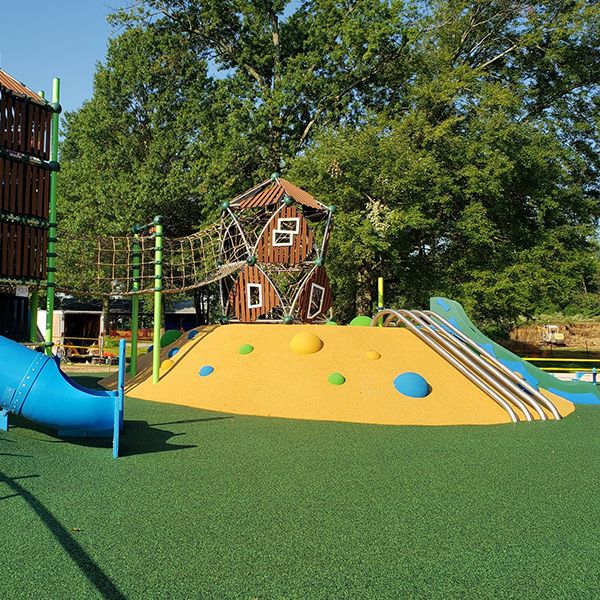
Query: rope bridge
106	266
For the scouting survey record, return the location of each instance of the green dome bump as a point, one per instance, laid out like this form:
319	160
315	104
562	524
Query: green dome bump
169	336
246	348
336	379
361	321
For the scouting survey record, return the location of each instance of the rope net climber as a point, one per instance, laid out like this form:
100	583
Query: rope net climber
105	266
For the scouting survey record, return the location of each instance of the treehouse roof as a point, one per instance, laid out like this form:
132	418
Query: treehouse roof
272	191
10	84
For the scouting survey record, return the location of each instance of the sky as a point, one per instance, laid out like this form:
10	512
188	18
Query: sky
67	43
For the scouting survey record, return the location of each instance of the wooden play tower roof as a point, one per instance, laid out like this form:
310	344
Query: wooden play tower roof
10	84
272	191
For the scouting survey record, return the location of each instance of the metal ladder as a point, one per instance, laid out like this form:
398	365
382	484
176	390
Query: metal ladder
513	394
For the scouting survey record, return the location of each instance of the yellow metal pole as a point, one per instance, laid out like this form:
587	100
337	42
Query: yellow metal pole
380	303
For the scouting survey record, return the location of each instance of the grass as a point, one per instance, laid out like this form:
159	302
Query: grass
204	505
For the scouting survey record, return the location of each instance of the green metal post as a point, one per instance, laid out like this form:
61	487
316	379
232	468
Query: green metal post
135	302
51	280
34	304
158	253
34	300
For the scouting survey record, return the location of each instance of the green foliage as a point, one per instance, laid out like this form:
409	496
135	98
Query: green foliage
478	185
127	155
456	137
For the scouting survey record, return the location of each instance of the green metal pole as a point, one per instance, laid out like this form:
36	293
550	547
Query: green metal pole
135	301
51	279
34	301
158	254
34	304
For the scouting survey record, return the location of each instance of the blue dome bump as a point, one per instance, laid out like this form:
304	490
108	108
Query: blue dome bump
206	370
412	384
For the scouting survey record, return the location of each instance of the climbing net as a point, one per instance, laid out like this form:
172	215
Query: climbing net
105	266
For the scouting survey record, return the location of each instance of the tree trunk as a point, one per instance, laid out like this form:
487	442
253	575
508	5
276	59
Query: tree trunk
364	292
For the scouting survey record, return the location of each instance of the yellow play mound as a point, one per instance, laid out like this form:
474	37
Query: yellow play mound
275	379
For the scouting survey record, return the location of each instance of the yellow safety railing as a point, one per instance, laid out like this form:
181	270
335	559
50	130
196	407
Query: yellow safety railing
577	360
583	370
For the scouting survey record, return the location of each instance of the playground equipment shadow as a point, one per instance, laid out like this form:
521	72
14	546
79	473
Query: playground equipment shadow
87	566
139	437
275	508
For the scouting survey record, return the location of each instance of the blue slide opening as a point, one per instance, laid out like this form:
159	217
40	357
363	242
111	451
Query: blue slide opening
32	385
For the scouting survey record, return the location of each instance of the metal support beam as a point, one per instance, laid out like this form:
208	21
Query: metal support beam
51	281
158	276
135	303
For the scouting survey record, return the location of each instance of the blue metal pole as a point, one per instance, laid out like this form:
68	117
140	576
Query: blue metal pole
119	398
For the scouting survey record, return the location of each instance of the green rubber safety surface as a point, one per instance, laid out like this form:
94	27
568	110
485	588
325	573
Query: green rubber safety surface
208	505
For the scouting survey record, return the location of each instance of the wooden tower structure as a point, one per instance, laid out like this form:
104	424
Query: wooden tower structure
25	167
277	234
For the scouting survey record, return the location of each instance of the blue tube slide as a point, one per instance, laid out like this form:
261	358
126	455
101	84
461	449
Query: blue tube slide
32	385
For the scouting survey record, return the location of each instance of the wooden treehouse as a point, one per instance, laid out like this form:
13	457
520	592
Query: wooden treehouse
25	123
277	235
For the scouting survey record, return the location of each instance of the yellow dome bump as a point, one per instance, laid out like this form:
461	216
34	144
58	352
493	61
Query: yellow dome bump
166	365
306	343
373	355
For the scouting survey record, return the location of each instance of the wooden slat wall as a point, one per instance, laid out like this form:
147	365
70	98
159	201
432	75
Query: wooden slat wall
24	125
24	189
319	277
238	303
286	255
24	192
23	251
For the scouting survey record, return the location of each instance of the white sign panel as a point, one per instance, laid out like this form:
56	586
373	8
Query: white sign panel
22	291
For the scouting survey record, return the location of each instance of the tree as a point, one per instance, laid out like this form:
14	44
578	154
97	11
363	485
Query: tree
473	181
458	137
126	154
279	77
